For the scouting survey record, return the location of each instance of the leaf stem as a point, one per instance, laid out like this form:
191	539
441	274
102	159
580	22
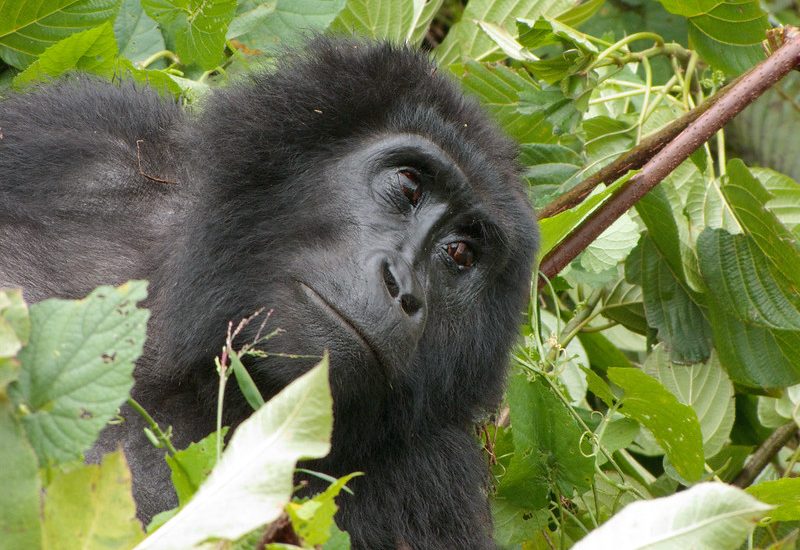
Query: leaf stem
153	425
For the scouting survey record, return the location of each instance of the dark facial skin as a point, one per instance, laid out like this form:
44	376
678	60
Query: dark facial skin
355	193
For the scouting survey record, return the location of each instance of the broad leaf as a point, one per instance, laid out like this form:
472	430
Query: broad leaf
782	493
27	28
138	36
92	51
674	425
465	40
398	21
312	520
252	483
78	368
15	324
705	387
712	516
19	477
194	28
91	506
190	466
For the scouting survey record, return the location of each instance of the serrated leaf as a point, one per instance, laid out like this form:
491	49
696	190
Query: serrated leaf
312	520
138	36
78	368
19	477
252	483
785	203
784	494
190	467
624	304
748	199
674	425
465	40
712	516
28	28
92	51
195	29
498	88
547	450
744	283
668	304
92	506
612	246
705	387
268	25
398	21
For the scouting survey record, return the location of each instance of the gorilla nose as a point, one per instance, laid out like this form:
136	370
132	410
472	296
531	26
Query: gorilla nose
402	285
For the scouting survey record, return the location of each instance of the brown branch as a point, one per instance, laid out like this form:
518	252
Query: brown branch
764	454
743	92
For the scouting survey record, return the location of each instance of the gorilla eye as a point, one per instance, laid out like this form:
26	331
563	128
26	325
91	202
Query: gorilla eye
461	253
410	185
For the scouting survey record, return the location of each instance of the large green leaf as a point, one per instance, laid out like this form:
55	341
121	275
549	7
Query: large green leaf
669	306
268	25
29	27
399	21
726	33
705	387
498	88
674	425
19	478
712	516
748	199
782	493
93	51
467	41
547	452
190	467
252	482
91	506
78	368
138	36
194	28
786	202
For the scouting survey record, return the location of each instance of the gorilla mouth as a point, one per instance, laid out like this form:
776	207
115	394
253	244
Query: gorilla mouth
342	320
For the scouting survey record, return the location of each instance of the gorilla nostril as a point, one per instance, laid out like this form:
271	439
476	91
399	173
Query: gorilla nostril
390	281
410	304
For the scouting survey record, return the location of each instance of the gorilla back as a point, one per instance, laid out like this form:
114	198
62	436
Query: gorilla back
356	193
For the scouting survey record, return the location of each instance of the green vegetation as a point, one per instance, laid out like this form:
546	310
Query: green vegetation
665	356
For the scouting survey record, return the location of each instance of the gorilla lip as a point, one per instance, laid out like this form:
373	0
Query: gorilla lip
318	299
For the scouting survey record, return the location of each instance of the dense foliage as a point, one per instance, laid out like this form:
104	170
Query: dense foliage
661	368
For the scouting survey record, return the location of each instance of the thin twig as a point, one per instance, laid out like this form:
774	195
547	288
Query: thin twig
141	171
764	454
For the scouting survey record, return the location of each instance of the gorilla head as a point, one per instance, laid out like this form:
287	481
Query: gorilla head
356	193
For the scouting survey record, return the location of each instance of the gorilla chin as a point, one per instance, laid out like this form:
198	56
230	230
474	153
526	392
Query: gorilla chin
356	193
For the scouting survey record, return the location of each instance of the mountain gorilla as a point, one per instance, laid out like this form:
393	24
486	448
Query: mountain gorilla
355	192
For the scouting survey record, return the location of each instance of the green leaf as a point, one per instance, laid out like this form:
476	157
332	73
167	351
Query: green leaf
748	199
29	28
194	28
546	30
726	33
624	304
705	387
92	507
191	466
547	452
668	304
138	36
78	368
712	516
612	246
514	524
782	493
19	478
554	229
268	25
580	13
744	282
252	483
674	425
602	353
785	203
465	40
15	324
245	382
313	519
498	88
92	51
398	21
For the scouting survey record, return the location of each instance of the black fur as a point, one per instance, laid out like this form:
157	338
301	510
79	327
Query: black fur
282	184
